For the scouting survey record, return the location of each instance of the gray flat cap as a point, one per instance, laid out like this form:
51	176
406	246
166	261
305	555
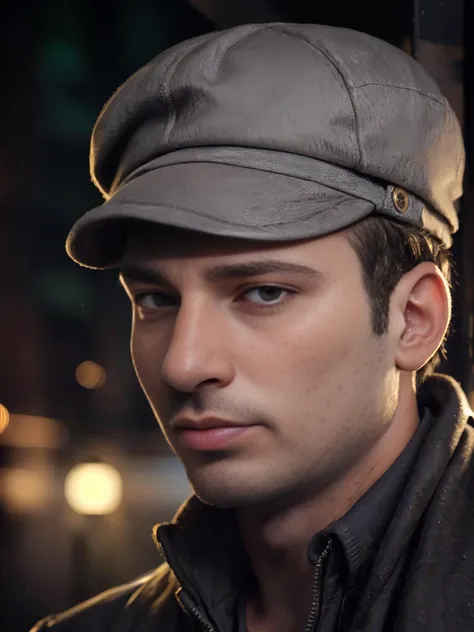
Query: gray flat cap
272	132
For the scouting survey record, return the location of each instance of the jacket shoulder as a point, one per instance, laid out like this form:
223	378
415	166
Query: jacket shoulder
101	612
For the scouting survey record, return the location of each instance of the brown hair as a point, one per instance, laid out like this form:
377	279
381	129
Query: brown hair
388	250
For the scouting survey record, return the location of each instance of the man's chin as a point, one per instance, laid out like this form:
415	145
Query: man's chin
235	483
220	483
223	498
232	494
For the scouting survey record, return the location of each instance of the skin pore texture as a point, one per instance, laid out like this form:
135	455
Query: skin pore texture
278	337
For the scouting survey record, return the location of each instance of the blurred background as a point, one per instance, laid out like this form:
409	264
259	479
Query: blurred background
84	472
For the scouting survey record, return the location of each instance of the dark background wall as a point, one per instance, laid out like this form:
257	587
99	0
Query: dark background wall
60	62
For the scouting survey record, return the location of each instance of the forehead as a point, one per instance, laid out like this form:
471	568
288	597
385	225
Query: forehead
154	242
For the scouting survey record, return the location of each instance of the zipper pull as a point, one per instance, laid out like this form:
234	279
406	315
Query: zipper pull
189	607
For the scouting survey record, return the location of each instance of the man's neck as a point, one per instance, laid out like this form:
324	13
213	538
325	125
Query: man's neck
277	537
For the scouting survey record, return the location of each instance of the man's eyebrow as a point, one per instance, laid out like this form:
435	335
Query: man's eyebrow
143	273
256	268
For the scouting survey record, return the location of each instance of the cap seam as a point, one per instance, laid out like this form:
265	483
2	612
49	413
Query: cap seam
394	85
170	73
232	164
257	28
216	219
273	172
333	63
172	70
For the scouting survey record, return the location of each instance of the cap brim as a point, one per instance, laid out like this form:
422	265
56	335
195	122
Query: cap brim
213	198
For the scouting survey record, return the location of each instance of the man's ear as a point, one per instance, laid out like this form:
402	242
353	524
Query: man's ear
420	312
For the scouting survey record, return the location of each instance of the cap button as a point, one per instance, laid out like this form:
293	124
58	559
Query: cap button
400	199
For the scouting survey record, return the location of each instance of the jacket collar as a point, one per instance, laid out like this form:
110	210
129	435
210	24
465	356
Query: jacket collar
203	548
360	530
449	426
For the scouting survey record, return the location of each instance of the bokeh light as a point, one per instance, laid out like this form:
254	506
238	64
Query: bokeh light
4	418
91	375
94	488
30	431
23	490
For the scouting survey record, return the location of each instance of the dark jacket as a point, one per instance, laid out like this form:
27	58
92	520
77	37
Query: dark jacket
401	560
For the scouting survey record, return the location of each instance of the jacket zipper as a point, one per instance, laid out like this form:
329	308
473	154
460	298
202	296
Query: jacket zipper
185	601
190	608
317	589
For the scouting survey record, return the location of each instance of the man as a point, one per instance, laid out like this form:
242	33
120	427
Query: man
280	204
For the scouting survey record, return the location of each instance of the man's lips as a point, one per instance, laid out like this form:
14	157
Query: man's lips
208	433
204	423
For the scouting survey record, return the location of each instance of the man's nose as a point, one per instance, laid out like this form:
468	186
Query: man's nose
199	349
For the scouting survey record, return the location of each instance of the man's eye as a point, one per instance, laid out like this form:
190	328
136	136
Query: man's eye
154	300
266	295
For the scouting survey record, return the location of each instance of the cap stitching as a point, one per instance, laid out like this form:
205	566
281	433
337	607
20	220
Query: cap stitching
345	198
394	85
326	54
380	201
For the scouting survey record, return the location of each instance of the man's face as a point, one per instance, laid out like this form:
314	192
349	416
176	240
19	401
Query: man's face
276	339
